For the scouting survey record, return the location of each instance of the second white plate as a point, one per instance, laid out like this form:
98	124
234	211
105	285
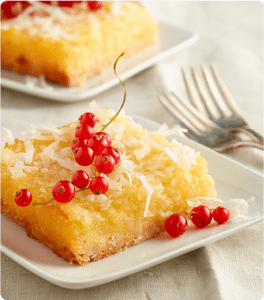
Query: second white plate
232	181
172	40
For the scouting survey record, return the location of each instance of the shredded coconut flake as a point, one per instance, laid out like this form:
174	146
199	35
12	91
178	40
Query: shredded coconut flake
44	84
29	169
17	170
166	214
42	190
116	8
48	153
46	129
183	157
31	81
64	152
129	177
38	137
165	131
104	201
114	185
149	193
140	154
29	151
8	139
68	164
151	142
3	141
40	81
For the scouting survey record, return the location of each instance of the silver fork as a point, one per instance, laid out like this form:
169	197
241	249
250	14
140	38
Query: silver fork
202	129
218	103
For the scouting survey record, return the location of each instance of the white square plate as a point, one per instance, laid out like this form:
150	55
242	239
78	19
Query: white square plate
232	181
172	40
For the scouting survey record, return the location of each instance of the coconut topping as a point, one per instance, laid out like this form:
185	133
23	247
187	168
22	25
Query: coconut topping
58	23
125	172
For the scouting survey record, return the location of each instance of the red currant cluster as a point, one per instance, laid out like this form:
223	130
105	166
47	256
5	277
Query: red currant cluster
11	9
88	148
201	216
88	144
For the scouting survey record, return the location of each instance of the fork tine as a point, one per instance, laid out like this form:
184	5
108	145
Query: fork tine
199	127
193	96
224	110
211	108
192	111
226	94
166	100
197	120
192	131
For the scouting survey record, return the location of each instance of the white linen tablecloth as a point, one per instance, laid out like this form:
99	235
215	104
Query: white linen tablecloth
231	36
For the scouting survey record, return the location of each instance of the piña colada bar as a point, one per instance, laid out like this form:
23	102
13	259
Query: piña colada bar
69	45
153	179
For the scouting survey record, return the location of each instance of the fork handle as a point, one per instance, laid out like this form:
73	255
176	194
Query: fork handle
255	136
239	144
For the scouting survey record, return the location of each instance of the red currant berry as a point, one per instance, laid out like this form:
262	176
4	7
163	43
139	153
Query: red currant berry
201	216
220	214
98	143
176	225
65	3
104	164
63	191
68	3
106	136
46	2
84	156
95	5
113	152
80	179
11	9
99	185
84	132
88	119
77	143
23	197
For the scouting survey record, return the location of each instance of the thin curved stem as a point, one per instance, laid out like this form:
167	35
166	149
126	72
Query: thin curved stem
124	100
52	199
42	203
